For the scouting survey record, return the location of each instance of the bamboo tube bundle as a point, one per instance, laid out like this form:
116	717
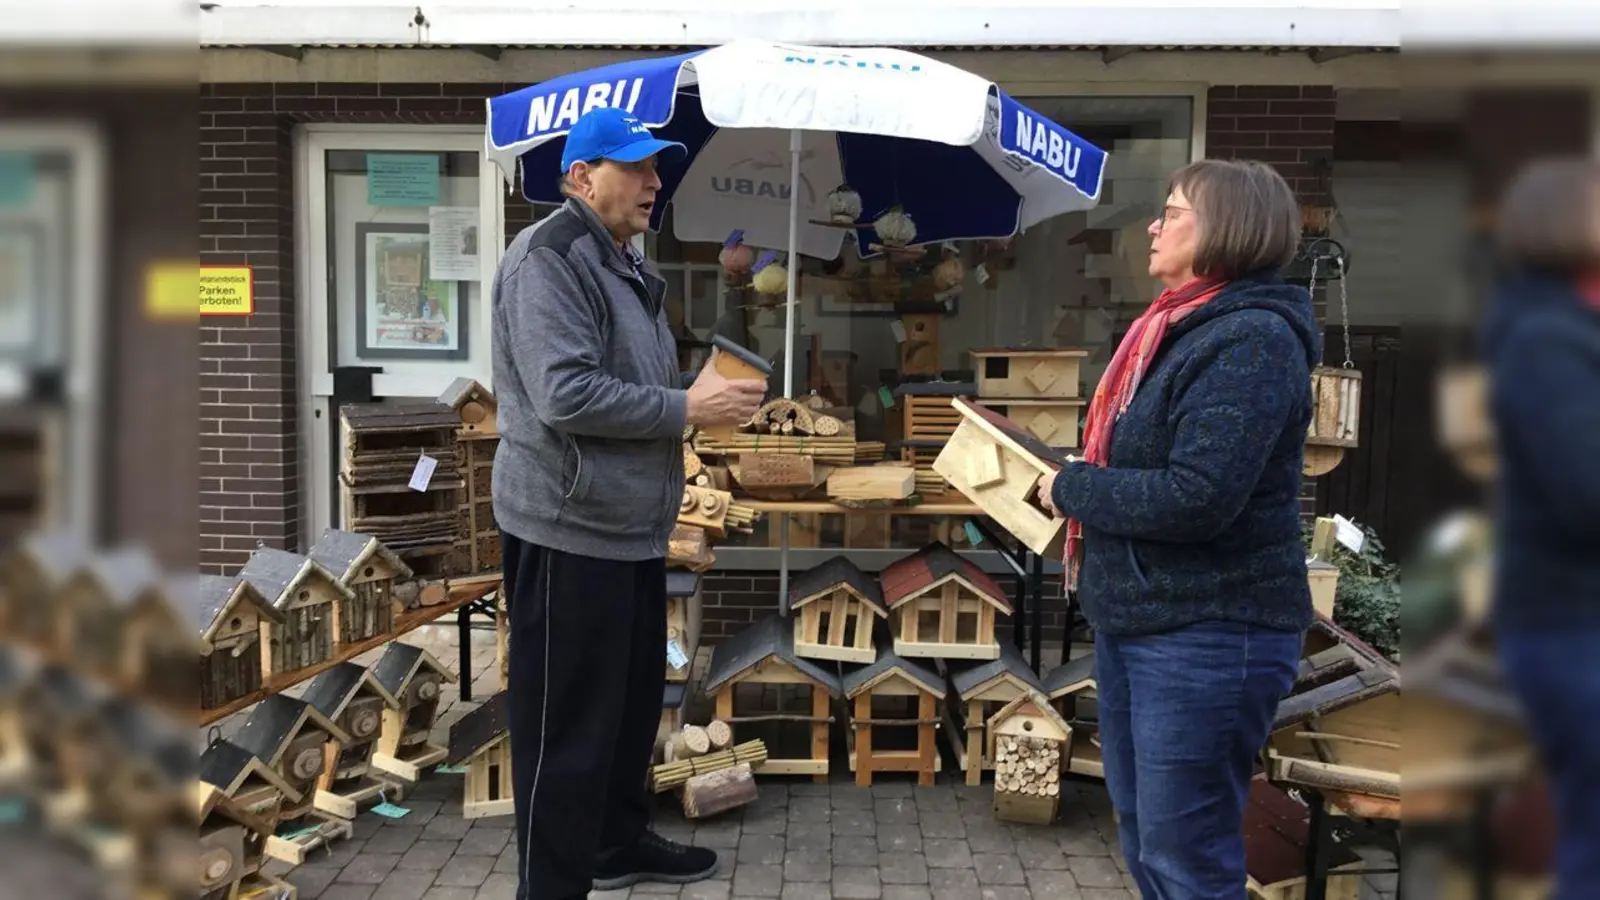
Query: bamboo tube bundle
741	518
827	426
1025	765
669	775
720	733
870	451
688	743
837	451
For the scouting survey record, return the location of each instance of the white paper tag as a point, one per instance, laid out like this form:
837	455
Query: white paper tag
899	331
980	273
675	657
423	473
1346	532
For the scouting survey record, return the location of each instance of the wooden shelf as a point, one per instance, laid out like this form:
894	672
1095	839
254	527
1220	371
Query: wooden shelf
819	506
460	596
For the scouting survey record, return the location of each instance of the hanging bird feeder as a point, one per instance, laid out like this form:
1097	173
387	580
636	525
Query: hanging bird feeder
844	205
1335	390
896	231
949	273
770	278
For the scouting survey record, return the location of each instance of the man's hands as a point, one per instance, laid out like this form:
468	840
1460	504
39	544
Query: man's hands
717	400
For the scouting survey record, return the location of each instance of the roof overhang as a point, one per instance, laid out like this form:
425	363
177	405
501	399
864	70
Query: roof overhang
1155	24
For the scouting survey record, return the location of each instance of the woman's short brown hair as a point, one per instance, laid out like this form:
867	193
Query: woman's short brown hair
1548	217
1247	214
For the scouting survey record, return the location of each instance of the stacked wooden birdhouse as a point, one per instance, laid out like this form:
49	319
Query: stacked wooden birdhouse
1028	742
1038	389
480	741
309	599
477	546
765	690
400	479
371	573
836	608
983	688
415	679
996	464
942	605
350	696
895	710
291	738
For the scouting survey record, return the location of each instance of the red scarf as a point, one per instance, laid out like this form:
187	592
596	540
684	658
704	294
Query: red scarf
1121	380
1589	288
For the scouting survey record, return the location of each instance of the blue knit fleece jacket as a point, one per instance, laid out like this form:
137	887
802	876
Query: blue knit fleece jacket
1197	515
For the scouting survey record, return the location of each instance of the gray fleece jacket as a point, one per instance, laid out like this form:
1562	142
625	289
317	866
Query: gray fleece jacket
591	403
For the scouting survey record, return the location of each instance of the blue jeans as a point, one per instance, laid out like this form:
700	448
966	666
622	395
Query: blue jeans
1183	717
1554	676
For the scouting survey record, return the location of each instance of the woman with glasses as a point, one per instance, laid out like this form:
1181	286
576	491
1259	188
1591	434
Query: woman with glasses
1184	536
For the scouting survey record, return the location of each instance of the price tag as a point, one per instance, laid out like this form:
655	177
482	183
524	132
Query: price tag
885	398
973	537
899	332
423	473
449	770
981	273
390	811
675	655
1348	534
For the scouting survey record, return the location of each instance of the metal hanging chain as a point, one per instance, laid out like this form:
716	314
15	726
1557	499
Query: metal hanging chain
1344	300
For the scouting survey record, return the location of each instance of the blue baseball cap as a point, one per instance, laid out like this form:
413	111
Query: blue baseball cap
609	132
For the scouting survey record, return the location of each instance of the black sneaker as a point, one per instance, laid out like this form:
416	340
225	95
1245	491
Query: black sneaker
655	858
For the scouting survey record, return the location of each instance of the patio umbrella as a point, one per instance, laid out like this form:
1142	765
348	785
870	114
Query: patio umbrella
772	129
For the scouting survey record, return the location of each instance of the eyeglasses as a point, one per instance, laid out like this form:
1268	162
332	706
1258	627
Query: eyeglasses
1166	214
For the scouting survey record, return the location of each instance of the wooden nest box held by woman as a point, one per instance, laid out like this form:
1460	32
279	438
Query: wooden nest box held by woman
997	466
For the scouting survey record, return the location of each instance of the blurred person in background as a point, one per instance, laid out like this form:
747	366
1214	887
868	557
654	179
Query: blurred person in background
1542	347
1185	515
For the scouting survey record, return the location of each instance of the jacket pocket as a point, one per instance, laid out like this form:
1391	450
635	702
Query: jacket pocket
578	483
1133	560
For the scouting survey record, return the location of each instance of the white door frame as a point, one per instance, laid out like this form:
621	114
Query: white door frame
315	378
74	500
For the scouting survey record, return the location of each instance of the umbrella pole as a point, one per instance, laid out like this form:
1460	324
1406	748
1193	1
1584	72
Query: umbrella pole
788	344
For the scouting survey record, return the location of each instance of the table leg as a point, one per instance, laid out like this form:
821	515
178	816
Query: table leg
1036	588
1483	869
464	633
1018	624
1317	847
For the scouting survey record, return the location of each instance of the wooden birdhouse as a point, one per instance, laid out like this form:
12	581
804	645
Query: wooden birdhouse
895	718
835	608
290	735
766	691
32	575
1277	835
477	547
413	677
232	841
371	572
90	609
1028	373
983	689
308	596
160	645
997	466
481	741
683	622
942	606
143	789
1340	726
474	404
257	787
16	752
1070	686
1028	741
1335	417
351	697
231	616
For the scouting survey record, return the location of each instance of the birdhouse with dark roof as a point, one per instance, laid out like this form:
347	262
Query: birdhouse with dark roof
894	725
257	787
308	596
232	619
766	691
149	758
481	741
1071	689
32	575
350	696
371	572
416	680
683	624
996	464
232	840
835	608
983	688
160	648
1029	742
942	606
92	606
291	737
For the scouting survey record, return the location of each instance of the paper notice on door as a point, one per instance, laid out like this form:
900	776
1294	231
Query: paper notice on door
1346	533
423	473
453	243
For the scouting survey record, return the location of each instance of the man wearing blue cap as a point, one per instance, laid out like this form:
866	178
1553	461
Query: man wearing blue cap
587	482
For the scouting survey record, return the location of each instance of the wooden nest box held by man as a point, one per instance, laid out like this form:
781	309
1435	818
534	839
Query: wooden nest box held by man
835	608
942	606
997	466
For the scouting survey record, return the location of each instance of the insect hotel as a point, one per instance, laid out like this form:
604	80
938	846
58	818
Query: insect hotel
231	615
942	606
1335	417
983	689
232	842
896	705
836	608
1339	728
927	422
1071	688
383	446
35	571
290	736
349	696
1028	741
766	691
477	549
307	596
481	741
415	679
1037	389
997	465
371	572
89	610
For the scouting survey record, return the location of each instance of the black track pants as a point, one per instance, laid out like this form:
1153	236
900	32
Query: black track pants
587	670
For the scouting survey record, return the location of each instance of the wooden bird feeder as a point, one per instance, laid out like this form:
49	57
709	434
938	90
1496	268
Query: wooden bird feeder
997	466
835	607
764	690
984	688
371	572
309	598
232	616
1029	741
894	697
1335	417
942	606
413	677
481	740
350	696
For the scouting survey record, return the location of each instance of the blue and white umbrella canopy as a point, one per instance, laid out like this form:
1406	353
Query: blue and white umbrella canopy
961	157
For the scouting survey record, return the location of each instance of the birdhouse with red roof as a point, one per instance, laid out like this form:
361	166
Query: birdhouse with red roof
942	606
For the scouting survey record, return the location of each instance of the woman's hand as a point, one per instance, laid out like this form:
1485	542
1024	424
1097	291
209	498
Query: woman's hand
1047	497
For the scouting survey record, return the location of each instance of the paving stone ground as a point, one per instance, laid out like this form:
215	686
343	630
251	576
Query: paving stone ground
799	841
